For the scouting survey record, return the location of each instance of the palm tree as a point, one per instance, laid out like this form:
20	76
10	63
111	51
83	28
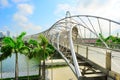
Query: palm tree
46	50
31	50
26	51
43	43
42	50
9	46
35	50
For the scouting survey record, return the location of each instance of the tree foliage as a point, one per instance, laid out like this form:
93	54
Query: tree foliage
110	40
41	49
10	45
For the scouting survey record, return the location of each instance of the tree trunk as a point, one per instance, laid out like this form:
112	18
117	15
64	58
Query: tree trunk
40	70
43	70
1	69
43	67
28	68
16	67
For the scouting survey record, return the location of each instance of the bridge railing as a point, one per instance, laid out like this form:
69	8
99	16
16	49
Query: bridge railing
94	54
106	58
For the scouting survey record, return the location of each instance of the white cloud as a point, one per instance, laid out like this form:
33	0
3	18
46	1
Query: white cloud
30	28
109	9
25	9
62	7
23	13
21	17
4	3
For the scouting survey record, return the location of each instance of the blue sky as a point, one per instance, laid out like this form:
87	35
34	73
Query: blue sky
34	16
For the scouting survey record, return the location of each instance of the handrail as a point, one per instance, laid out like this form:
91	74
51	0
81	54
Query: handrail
100	47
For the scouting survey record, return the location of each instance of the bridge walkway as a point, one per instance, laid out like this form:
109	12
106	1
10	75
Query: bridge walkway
91	70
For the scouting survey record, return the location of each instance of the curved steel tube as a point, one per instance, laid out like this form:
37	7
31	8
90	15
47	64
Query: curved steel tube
73	54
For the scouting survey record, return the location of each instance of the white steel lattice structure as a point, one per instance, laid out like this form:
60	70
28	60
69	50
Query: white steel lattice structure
82	30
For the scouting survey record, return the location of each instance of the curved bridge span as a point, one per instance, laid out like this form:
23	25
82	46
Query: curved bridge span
80	40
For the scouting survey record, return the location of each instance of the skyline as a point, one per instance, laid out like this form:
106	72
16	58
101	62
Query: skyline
36	16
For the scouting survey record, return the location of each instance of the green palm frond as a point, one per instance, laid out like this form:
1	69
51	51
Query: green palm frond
50	46
43	39
19	44
19	40
6	52
49	50
34	48
33	53
20	37
10	45
8	41
38	52
24	50
33	42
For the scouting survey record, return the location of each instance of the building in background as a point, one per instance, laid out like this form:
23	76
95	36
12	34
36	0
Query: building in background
2	34
8	33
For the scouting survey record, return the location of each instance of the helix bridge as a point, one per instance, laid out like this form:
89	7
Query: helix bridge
75	38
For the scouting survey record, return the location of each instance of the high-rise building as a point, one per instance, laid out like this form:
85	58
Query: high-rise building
8	33
2	35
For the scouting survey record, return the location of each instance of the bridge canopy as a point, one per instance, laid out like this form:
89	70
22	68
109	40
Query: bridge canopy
86	29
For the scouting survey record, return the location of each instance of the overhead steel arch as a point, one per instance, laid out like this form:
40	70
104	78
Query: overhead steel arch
94	24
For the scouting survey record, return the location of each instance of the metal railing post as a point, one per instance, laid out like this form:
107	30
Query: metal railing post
87	52
108	60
